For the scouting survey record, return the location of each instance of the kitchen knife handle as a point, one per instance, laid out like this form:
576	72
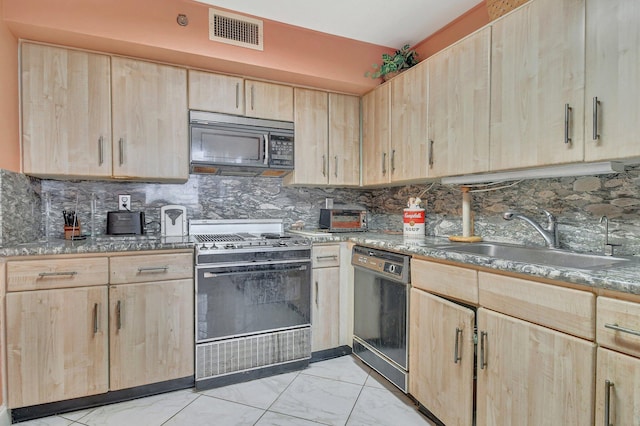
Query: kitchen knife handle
121	150
95	318
483	337
384	165
237	95
622	329
430	153
324	166
456	349
596	105
335	172
608	384
100	151
567	119
57	274
118	315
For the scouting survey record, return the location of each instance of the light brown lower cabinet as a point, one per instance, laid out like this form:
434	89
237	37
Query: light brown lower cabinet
617	389
441	357
325	297
57	344
532	375
151	332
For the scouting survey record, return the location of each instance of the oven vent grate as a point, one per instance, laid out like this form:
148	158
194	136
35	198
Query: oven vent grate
248	353
237	30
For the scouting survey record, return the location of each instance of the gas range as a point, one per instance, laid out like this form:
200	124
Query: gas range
243	235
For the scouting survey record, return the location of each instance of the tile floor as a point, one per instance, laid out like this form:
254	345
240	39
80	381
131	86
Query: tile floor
341	391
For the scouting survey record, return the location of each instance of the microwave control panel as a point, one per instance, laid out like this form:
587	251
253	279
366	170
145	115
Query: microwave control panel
281	151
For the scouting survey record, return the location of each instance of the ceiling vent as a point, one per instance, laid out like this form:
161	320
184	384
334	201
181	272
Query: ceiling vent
237	30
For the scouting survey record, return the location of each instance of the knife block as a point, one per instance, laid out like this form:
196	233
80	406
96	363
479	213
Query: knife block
70	232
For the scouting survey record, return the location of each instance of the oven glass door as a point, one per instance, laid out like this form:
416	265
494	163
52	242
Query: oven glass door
247	299
223	146
380	314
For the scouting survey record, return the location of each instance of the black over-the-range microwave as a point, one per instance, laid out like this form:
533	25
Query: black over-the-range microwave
235	145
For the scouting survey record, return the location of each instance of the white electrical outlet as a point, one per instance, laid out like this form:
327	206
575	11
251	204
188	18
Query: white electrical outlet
124	202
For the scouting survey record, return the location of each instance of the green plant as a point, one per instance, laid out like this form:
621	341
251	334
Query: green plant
402	59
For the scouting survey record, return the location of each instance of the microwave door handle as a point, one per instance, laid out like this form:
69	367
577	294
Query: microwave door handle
266	149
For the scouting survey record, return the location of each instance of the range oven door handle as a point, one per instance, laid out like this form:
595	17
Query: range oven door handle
212	266
227	274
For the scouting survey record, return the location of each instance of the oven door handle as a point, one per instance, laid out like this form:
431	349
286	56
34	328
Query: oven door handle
267	263
227	274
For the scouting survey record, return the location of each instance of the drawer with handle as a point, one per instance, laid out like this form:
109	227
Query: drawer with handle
152	267
325	256
618	325
45	274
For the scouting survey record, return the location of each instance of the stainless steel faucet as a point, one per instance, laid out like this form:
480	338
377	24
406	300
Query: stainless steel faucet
550	233
608	247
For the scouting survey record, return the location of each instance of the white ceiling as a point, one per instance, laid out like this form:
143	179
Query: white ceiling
390	23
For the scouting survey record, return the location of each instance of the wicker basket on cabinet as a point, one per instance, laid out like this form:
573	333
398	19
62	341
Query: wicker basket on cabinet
497	8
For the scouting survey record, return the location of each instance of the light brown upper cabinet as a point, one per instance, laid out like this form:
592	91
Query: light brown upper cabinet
327	127
537	85
409	121
459	102
612	121
66	112
376	134
268	100
150	123
216	92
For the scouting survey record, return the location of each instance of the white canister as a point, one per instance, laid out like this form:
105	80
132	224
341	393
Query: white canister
413	222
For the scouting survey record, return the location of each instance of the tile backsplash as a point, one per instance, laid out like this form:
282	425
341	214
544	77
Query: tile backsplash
31	209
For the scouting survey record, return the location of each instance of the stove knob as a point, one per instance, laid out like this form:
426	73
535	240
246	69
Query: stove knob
229	246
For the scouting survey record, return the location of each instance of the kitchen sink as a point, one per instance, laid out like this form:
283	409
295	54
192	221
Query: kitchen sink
538	255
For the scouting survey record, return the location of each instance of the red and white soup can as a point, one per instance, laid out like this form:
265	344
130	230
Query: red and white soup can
413	222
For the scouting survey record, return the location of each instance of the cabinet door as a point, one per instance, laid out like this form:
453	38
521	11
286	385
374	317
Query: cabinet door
216	92
56	345
622	373
409	124
325	309
151	329
268	100
150	123
344	140
312	136
459	107
537	68
376	134
613	60
532	375
441	357
66	112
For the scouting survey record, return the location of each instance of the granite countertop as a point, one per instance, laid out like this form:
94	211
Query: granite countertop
623	278
101	244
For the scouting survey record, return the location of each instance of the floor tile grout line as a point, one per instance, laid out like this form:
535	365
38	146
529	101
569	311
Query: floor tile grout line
354	405
182	409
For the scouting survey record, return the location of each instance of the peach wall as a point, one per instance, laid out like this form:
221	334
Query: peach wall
148	29
462	26
9	103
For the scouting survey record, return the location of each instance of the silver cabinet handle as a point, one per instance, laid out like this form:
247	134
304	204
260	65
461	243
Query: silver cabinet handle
121	149
607	402
384	165
483	361
324	165
622	329
567	119
237	95
332	256
335	172
252	96
95	318
118	315
456	350
393	161
153	269
266	149
100	150
596	104
316	293
57	274
430	153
